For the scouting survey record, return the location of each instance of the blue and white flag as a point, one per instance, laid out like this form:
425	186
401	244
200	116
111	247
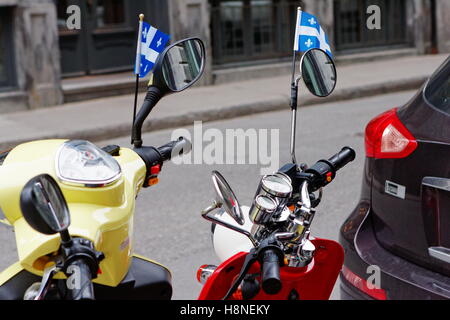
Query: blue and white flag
151	42
309	34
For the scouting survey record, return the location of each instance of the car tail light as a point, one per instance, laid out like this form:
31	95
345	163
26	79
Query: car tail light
204	272
387	137
362	285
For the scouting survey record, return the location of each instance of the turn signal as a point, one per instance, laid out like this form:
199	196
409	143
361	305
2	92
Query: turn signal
152	181
387	137
204	272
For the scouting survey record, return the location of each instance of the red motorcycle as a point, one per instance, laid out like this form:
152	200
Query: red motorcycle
266	249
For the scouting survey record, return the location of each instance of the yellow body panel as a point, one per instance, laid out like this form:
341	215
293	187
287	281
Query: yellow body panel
10	272
103	215
151	261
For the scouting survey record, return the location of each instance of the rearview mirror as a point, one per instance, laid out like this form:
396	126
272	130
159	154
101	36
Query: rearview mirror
226	199
43	205
225	196
318	72
183	64
178	67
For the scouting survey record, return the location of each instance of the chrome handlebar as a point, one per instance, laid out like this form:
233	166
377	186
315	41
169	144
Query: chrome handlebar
270	214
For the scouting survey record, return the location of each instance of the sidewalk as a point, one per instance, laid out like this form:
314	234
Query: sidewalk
111	117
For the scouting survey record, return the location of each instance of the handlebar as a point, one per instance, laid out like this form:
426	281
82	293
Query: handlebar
343	157
269	251
83	288
270	270
177	147
324	171
156	156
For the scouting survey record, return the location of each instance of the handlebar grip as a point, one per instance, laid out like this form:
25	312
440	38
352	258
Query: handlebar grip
270	270
153	156
174	148
343	157
82	289
324	171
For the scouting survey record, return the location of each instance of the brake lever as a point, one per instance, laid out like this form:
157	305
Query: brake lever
250	259
315	201
253	256
47	278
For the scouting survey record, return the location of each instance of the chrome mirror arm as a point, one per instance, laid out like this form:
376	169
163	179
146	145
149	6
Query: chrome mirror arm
214	218
293	125
297	80
215	205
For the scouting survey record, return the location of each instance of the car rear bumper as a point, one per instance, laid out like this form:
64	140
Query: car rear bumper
401	279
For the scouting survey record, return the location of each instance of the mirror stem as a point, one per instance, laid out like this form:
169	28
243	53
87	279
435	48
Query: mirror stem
151	99
293	126
66	239
294	95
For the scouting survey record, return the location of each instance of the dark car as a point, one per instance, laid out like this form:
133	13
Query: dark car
397	240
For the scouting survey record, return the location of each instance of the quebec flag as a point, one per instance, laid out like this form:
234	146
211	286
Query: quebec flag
309	34
151	42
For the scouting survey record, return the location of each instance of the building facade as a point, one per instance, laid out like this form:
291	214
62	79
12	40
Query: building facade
244	38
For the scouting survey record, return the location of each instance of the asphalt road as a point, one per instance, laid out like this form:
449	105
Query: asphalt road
168	226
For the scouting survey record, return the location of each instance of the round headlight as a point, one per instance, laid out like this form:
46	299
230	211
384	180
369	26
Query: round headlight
81	162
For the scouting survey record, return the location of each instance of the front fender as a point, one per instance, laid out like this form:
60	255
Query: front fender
314	282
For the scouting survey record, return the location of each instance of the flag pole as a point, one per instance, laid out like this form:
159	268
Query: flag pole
137	68
294	90
299	9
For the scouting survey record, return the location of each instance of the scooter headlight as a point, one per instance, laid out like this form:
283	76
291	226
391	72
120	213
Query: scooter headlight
81	162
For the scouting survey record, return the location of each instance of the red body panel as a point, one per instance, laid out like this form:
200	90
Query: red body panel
314	282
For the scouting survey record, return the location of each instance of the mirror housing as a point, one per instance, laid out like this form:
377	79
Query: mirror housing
226	198
179	66
167	75
43	205
318	72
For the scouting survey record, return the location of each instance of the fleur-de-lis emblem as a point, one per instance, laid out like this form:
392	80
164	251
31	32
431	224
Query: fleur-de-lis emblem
309	43
312	21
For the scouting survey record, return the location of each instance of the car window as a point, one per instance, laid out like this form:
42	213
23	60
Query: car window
437	92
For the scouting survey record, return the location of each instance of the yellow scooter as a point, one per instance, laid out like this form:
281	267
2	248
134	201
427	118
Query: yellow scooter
93	258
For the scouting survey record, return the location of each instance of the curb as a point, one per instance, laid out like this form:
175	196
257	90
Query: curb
77	93
229	112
